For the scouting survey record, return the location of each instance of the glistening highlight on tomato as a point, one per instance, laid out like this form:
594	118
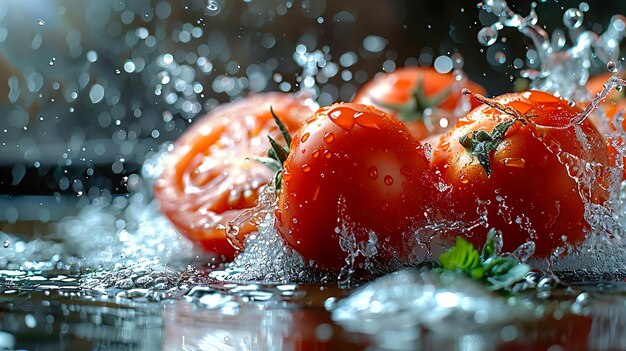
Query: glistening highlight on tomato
210	177
354	177
534	181
411	93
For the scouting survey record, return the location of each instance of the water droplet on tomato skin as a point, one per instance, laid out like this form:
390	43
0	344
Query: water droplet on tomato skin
463	179
286	175
373	172
329	137
388	180
327	154
342	116
305	167
316	153
304	137
514	162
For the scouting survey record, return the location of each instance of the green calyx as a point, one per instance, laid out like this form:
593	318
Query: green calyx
277	154
489	267
413	109
482	143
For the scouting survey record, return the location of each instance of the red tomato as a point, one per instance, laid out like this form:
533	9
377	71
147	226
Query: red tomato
407	92
354	166
613	103
210	178
604	117
531	193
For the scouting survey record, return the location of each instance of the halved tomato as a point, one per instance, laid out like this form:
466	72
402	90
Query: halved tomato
210	176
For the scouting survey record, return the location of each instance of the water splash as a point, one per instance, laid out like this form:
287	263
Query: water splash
564	70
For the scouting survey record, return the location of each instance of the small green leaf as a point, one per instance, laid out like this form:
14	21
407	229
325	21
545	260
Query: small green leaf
496	271
461	257
281	152
489	249
269	162
283	129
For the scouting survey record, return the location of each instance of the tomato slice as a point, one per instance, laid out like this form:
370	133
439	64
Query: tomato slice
210	176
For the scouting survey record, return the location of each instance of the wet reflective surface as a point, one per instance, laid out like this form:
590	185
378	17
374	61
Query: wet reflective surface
403	311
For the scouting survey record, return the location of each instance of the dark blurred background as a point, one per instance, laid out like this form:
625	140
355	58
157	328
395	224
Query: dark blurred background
89	89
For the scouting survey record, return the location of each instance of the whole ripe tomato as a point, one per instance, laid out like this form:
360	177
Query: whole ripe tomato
532	192
209	176
354	170
407	92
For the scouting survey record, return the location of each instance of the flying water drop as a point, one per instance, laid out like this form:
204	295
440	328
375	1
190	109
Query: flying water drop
487	36
212	8
573	18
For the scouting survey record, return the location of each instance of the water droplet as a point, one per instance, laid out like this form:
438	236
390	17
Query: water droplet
213	8
329	137
573	18
487	36
6	244
611	66
41	22
373	172
583	6
286	175
388	180
514	162
305	168
316	153
305	137
327	153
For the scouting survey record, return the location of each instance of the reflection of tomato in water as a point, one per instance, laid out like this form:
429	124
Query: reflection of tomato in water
531	193
209	178
351	161
408	92
313	330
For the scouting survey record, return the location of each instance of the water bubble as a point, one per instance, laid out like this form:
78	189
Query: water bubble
213	8
6	244
443	64
487	36
41	22
611	66
583	6
573	18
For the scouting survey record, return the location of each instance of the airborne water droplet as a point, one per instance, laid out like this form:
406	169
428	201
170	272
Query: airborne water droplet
573	18
611	66
6	244
487	36
212	8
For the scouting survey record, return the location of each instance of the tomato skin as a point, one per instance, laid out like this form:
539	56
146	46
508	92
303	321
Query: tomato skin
604	120
398	87
613	103
209	178
352	160
529	195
